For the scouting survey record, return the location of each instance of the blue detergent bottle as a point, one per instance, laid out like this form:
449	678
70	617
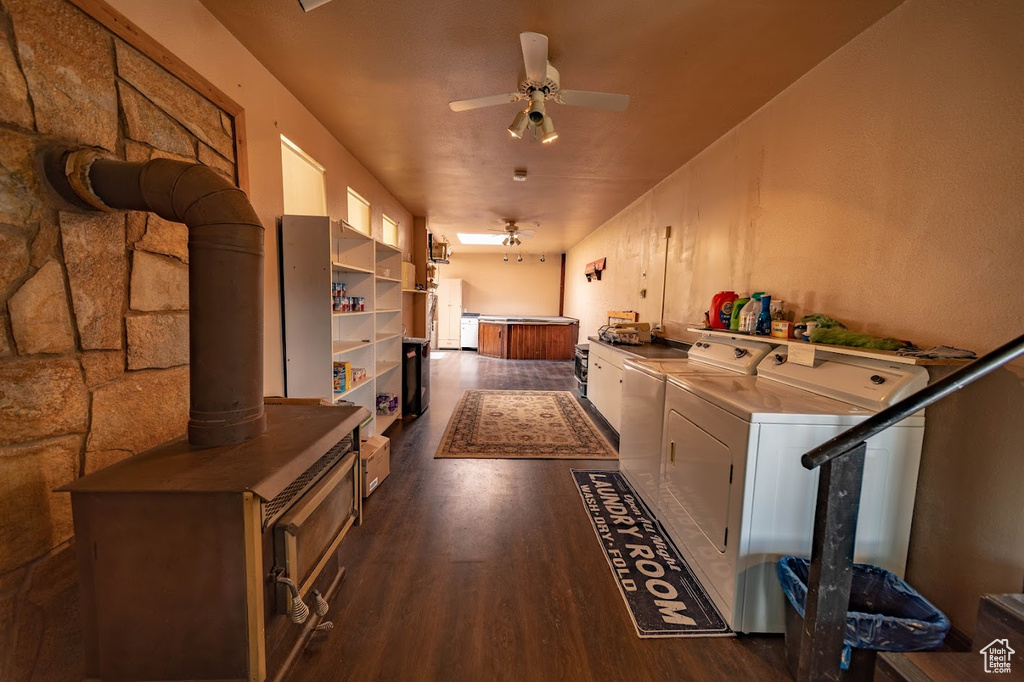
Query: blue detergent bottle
764	319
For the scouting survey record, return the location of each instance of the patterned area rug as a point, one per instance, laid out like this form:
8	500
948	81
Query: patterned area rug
522	425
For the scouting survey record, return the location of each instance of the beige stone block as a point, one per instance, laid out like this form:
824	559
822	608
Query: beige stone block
101	459
13	258
185	105
166	237
35	519
136	152
44	244
41	397
136	227
158	283
39	313
23	200
101	366
69	68
160	154
157	340
14	107
140	410
146	123
214	160
97	263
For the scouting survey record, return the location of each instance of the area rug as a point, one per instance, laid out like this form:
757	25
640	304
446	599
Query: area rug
522	425
663	596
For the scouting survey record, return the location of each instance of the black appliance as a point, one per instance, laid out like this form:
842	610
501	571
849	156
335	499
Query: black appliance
415	376
582	359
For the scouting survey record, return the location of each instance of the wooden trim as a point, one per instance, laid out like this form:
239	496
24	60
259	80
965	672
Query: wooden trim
254	588
561	290
123	28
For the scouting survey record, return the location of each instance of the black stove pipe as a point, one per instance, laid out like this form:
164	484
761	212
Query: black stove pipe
225	245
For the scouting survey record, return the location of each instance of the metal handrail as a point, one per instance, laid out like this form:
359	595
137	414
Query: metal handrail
848	440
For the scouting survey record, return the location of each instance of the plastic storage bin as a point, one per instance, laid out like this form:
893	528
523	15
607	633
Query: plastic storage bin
885	614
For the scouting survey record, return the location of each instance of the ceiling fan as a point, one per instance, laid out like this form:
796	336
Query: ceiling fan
514	233
540	85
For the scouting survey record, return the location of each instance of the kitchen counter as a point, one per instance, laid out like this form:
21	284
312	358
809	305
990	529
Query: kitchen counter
528	337
526	319
651	351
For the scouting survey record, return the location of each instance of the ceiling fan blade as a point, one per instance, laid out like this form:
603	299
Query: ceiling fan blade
594	100
528	233
481	102
535	55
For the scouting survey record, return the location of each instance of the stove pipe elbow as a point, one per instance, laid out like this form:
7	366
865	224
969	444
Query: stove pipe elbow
225	246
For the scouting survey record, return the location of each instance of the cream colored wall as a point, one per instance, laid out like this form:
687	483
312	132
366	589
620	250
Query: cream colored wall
493	287
885	188
188	30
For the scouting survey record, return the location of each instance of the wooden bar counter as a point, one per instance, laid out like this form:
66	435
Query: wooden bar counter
528	338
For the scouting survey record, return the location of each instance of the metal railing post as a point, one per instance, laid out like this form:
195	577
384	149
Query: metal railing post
831	569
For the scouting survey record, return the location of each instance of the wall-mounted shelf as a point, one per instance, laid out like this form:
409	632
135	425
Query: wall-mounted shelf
414	291
889	355
338	395
340	347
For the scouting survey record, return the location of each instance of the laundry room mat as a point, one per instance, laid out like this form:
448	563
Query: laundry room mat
522	425
663	596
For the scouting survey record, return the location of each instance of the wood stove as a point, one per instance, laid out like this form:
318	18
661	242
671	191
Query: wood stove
185	553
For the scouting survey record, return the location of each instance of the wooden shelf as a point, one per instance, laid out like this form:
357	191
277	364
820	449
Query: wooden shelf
349	232
339	347
355	387
386	367
350	312
414	291
389	310
344	267
386	337
382	278
386	420
381	246
888	355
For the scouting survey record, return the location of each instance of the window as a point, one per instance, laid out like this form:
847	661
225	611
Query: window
390	231
358	212
305	191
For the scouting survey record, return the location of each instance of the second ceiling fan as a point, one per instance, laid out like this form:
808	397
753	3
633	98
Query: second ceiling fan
541	85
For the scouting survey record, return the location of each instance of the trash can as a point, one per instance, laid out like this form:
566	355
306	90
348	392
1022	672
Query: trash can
415	376
885	614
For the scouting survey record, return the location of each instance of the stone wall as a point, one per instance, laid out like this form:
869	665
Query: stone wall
93	321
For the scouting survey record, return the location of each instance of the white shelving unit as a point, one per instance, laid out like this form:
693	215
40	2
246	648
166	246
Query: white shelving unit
316	253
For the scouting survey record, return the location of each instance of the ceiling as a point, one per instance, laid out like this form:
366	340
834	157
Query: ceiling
379	76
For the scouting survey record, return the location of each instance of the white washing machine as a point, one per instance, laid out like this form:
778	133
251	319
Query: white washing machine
734	495
643	403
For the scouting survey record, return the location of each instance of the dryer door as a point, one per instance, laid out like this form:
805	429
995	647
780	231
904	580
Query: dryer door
700	471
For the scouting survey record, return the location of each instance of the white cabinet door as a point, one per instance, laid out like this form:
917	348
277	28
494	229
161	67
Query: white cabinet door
604	386
449	313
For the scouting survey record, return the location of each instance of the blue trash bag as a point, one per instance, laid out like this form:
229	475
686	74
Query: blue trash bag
885	613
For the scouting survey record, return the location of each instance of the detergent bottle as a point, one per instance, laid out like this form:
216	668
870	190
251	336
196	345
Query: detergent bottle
748	316
737	311
721	309
764	317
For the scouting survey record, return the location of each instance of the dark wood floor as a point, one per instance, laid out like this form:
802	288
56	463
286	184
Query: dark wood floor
490	570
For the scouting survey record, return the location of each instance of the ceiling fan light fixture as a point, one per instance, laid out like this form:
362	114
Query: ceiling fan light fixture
519	124
520	259
548	128
536	109
505	259
542	258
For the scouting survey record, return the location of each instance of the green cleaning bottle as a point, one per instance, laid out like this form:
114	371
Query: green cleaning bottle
737	310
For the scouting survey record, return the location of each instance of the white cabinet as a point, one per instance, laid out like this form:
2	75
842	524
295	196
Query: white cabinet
449	313
318	257
604	382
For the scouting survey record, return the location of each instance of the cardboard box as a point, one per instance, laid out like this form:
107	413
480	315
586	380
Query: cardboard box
408	275
375	461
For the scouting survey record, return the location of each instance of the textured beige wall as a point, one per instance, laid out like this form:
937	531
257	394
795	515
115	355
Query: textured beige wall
886	188
493	287
188	30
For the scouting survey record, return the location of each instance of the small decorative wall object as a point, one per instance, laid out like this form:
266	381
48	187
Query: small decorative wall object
594	268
